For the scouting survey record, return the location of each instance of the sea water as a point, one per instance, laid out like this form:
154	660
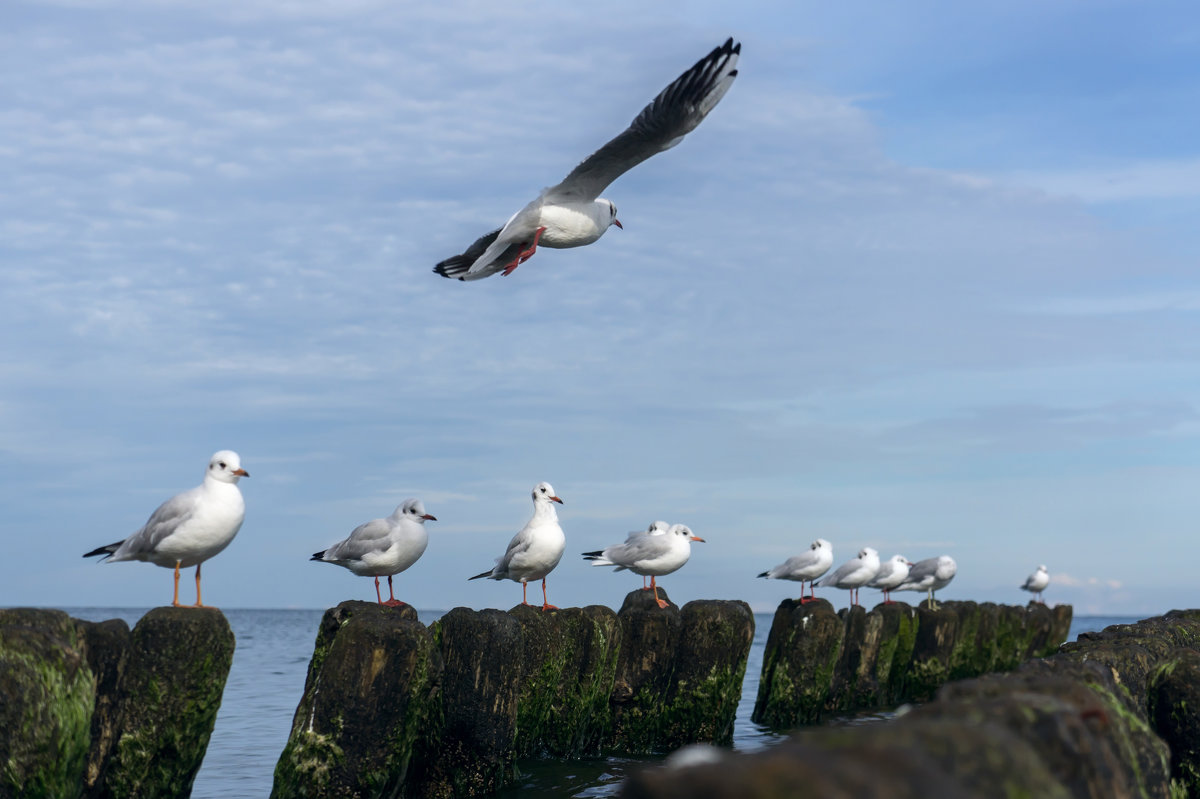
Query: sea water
266	681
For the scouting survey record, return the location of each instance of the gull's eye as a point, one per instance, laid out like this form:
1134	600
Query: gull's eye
222	465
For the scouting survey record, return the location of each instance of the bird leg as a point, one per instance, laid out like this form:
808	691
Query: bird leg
525	255
175	600
804	600
524	588
644	586
546	600
392	601
662	603
198	604
378	595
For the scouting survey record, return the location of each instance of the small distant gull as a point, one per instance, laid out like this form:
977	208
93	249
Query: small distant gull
383	546
806	566
931	574
649	554
572	213
191	527
1036	583
855	573
535	550
892	572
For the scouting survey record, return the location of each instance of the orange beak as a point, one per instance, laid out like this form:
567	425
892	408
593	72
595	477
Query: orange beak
617	222
697	538
241	472
556	499
429	517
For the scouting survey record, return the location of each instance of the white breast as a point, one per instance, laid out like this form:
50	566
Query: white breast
574	224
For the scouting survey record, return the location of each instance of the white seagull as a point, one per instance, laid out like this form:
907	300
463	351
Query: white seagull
649	554
535	551
931	574
855	573
1036	583
573	213
383	546
806	566
892	572
655	528
191	527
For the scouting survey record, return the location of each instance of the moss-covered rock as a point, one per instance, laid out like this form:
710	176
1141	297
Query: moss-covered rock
471	749
649	639
802	650
47	692
107	644
707	673
1174	707
369	693
179	659
936	638
570	662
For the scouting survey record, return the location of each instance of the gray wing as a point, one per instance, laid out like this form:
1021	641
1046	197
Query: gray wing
841	572
645	547
921	570
795	563
372	536
662	124
885	571
165	520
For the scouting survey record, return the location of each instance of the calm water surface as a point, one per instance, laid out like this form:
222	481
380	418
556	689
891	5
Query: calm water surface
267	679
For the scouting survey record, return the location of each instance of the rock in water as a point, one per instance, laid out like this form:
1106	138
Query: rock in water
46	698
179	659
368	696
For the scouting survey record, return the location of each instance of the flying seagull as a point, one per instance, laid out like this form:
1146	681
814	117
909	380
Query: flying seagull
573	213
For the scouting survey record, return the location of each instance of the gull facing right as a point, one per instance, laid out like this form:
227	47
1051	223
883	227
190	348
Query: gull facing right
535	550
1036	583
573	213
655	555
383	546
806	566
855	573
191	527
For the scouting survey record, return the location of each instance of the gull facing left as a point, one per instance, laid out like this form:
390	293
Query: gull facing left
573	213
191	527
655	555
383	546
535	550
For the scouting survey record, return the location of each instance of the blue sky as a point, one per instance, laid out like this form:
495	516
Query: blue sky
924	280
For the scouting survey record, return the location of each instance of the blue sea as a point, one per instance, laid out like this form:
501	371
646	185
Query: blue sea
267	679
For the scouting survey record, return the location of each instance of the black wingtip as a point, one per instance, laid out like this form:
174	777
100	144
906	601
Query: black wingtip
318	555
107	550
764	574
593	555
487	573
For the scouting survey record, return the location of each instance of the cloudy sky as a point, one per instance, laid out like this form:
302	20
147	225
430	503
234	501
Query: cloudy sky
925	280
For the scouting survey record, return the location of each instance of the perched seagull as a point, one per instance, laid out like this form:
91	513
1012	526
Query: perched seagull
535	551
191	527
892	572
383	546
647	553
655	528
855	573
1036	583
573	213
807	566
931	574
